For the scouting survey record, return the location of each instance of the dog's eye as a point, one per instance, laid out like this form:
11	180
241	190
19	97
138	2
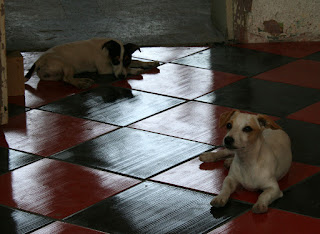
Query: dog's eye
229	125
247	129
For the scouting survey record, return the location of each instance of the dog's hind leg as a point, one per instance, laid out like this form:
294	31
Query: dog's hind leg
214	156
81	83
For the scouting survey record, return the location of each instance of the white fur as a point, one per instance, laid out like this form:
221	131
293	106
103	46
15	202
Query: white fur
63	61
256	165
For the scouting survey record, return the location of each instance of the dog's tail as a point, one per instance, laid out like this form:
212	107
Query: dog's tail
30	72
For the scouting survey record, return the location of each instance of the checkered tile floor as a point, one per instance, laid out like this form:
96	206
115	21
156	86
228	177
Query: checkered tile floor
122	156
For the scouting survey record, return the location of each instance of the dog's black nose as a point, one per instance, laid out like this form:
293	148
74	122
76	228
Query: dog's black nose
228	141
121	77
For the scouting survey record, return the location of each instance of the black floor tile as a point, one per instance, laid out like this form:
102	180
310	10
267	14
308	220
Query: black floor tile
304	140
16	221
235	60
11	159
133	152
112	105
302	198
262	96
314	56
156	208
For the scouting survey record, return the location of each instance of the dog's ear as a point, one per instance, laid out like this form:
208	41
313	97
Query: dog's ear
266	122
130	48
111	45
225	117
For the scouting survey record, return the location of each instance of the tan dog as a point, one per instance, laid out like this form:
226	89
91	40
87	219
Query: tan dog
262	156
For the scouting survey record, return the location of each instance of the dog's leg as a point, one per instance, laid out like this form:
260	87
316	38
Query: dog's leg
142	64
228	187
267	197
135	71
81	83
215	155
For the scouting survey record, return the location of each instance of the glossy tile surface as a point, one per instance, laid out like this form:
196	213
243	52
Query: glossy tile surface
235	60
134	209
12	159
304	140
112	105
58	189
301	72
60	227
44	133
122	157
262	96
291	49
16	221
38	93
315	56
189	121
134	152
208	177
166	54
309	114
180	81
275	221
308	194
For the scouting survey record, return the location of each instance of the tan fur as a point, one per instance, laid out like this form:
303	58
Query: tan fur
269	123
62	62
262	156
225	117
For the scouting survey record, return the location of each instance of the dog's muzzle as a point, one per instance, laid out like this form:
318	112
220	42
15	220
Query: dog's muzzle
121	76
228	142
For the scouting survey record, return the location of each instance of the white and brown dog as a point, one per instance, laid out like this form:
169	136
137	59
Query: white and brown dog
102	55
261	153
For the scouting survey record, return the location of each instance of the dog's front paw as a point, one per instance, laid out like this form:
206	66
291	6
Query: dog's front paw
219	201
155	64
259	208
136	71
207	157
84	83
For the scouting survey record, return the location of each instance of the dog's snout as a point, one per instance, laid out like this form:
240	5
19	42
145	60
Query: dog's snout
228	141
121	76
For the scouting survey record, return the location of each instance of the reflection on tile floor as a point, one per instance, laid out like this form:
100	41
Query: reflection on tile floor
122	156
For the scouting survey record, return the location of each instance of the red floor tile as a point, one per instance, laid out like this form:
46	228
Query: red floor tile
166	54
39	92
58	189
275	221
301	72
188	121
44	133
291	49
208	177
180	81
309	114
193	121
60	227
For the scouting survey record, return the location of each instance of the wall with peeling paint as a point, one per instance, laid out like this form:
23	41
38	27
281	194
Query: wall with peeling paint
277	20
3	70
